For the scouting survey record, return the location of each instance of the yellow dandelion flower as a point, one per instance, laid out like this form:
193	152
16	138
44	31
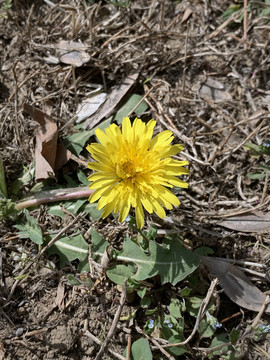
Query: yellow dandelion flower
132	169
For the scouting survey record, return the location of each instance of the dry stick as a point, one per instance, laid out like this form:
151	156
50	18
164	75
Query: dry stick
185	63
169	356
243	142
114	323
22	83
144	97
128	347
75	85
97	341
265	188
200	315
245	24
28	266
161	21
258	317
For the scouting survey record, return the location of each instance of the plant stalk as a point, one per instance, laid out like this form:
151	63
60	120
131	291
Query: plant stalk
49	196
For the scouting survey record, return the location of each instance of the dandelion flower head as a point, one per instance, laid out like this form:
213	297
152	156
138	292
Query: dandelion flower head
135	170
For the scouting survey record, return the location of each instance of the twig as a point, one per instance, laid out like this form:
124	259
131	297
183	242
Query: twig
265	188
97	341
245	24
128	347
200	315
258	317
114	323
157	345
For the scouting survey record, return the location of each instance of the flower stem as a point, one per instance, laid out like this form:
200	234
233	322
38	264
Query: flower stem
49	196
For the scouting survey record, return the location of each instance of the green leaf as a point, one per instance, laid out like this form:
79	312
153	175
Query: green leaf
205	330
234	336
173	264
26	176
69	249
29	228
92	210
83	178
219	340
75	142
185	292
140	350
71	206
133	100
177	350
175	308
145	302
119	273
257	176
99	245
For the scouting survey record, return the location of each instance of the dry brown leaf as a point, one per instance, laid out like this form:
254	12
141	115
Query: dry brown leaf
187	13
213	90
237	286
49	156
111	102
60	296
250	222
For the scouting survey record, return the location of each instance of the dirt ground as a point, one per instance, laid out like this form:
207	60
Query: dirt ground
210	84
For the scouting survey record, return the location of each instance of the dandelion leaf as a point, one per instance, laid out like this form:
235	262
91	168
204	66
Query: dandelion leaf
172	264
70	249
29	228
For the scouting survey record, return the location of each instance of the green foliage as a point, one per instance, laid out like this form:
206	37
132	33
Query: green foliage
29	228
128	106
76	281
256	152
6	5
26	176
76	142
7	208
140	350
172	264
69	249
226	350
262	8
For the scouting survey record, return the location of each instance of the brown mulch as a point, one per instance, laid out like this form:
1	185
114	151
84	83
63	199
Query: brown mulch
209	83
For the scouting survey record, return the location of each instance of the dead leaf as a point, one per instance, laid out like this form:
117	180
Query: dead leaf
60	296
73	53
112	101
49	156
237	286
187	13
250	222
89	106
65	46
75	58
213	90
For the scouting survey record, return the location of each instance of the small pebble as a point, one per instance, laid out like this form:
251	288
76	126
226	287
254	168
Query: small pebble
19	331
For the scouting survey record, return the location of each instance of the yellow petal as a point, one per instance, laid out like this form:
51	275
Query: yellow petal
139	215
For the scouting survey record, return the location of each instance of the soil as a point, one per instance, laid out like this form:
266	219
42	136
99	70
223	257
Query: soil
210	85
